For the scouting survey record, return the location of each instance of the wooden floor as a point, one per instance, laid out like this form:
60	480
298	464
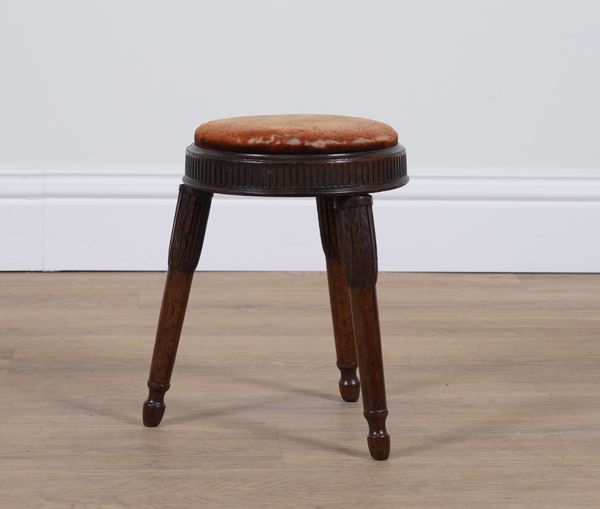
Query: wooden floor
493	388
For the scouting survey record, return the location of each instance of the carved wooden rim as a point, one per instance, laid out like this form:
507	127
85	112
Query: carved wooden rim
295	175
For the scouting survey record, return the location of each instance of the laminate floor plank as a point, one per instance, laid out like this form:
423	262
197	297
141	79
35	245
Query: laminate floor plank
493	385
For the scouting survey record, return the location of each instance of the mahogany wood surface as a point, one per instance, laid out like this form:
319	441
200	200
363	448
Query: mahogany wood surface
341	183
187	238
339	296
354	218
295	175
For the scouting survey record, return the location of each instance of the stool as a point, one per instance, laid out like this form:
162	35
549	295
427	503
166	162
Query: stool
338	160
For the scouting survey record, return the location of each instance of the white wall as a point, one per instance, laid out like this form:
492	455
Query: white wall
497	103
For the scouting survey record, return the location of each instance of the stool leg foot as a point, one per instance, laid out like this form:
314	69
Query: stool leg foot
349	385
339	297
187	238
154	406
358	251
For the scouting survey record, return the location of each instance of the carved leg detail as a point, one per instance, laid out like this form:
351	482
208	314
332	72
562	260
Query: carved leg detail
187	238
358	250
339	297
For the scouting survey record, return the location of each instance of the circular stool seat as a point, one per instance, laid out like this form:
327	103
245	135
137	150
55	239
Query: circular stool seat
295	134
295	155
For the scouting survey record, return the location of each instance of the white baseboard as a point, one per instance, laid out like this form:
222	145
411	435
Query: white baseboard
446	220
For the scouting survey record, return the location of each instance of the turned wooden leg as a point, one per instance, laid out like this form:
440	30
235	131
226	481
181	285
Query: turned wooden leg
184	252
339	296
354	218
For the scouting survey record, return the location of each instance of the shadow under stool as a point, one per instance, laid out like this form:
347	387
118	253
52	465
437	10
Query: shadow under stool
339	160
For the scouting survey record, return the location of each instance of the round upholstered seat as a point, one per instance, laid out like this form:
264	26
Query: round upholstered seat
295	155
295	134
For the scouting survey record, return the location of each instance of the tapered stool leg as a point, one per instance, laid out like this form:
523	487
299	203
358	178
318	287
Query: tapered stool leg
187	238
339	298
358	250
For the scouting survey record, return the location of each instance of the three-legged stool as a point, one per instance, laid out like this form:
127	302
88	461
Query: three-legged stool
337	159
